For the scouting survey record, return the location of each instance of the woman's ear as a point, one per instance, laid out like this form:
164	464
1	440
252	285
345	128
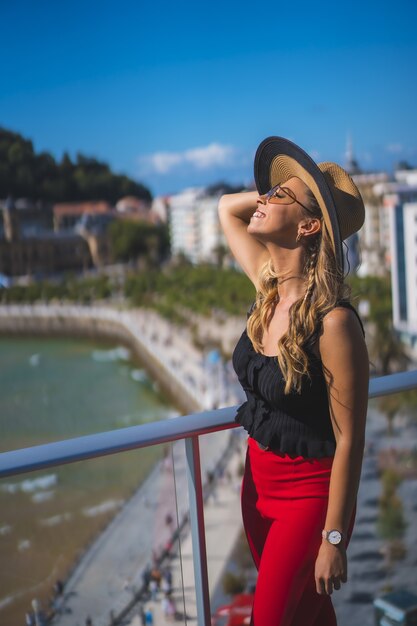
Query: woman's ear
310	226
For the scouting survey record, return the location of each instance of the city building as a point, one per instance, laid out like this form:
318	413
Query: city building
67	214
374	236
195	227
400	199
135	209
29	246
42	240
368	252
160	206
212	239
41	254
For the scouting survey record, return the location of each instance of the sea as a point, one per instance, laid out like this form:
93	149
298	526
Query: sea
52	389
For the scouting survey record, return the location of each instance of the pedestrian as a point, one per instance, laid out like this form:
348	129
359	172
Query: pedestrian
146	576
29	619
38	613
149	616
153	588
58	587
166	586
303	364
167	574
168	607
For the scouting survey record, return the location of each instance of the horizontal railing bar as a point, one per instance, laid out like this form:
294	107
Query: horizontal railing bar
114	441
393	383
153	433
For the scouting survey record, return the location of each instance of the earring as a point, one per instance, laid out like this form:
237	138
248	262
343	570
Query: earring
298	237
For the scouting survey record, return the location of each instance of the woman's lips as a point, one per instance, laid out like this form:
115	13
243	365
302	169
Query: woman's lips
258	214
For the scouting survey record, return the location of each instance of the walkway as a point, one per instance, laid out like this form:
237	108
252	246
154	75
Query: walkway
223	523
111	570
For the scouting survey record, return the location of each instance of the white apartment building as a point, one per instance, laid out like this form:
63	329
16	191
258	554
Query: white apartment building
183	223
400	199
374	236
211	233
194	225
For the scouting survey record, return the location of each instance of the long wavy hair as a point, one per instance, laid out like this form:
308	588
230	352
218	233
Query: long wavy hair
324	288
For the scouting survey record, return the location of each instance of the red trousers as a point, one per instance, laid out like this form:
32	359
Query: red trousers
284	506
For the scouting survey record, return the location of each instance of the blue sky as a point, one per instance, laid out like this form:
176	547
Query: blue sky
180	94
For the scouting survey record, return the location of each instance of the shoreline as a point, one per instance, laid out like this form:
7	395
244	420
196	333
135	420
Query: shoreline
148	337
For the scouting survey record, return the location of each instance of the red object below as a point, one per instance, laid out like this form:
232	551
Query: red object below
238	611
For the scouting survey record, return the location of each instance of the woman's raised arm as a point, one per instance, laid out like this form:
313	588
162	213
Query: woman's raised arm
235	211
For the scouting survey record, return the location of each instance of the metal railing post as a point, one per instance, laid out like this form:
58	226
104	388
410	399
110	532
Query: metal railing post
198	535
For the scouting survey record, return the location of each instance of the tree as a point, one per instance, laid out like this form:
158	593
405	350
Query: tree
386	351
133	240
23	173
391	522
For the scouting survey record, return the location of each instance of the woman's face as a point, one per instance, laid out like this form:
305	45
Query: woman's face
276	222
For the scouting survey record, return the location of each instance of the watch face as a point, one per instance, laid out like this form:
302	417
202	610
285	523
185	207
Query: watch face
335	537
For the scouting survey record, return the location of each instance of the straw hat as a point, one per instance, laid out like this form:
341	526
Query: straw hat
278	159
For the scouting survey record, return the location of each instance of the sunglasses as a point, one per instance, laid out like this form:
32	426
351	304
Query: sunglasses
283	195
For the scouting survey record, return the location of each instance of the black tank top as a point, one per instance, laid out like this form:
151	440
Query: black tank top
295	424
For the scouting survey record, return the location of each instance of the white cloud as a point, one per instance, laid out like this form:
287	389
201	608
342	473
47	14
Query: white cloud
209	156
202	158
394	148
162	162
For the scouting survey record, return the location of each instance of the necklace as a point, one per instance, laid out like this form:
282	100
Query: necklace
282	280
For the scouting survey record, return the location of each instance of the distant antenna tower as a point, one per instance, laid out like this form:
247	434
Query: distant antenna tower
351	163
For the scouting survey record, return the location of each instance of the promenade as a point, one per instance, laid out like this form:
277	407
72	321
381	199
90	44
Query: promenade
111	570
223	523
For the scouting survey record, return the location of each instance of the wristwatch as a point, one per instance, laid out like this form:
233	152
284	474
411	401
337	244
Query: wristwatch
333	536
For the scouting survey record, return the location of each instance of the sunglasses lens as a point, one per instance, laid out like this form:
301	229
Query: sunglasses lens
279	196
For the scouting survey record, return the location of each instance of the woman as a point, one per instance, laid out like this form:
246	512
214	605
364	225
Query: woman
303	363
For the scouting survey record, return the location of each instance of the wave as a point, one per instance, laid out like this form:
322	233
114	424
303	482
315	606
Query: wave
130	418
56	519
34	359
24	544
42	496
7	600
139	375
104	507
116	354
29	485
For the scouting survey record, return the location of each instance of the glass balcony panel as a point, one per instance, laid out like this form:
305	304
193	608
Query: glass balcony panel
222	457
90	539
380	554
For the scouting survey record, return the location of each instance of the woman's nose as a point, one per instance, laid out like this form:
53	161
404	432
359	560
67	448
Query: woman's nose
261	199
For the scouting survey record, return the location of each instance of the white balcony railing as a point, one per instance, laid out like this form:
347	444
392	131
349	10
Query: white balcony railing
189	428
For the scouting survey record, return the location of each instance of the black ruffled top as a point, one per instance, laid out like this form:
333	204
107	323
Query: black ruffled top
295	424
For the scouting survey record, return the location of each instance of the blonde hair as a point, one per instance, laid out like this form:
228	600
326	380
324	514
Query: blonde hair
324	288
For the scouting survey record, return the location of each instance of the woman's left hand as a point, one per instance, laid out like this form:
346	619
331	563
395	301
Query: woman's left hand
331	568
